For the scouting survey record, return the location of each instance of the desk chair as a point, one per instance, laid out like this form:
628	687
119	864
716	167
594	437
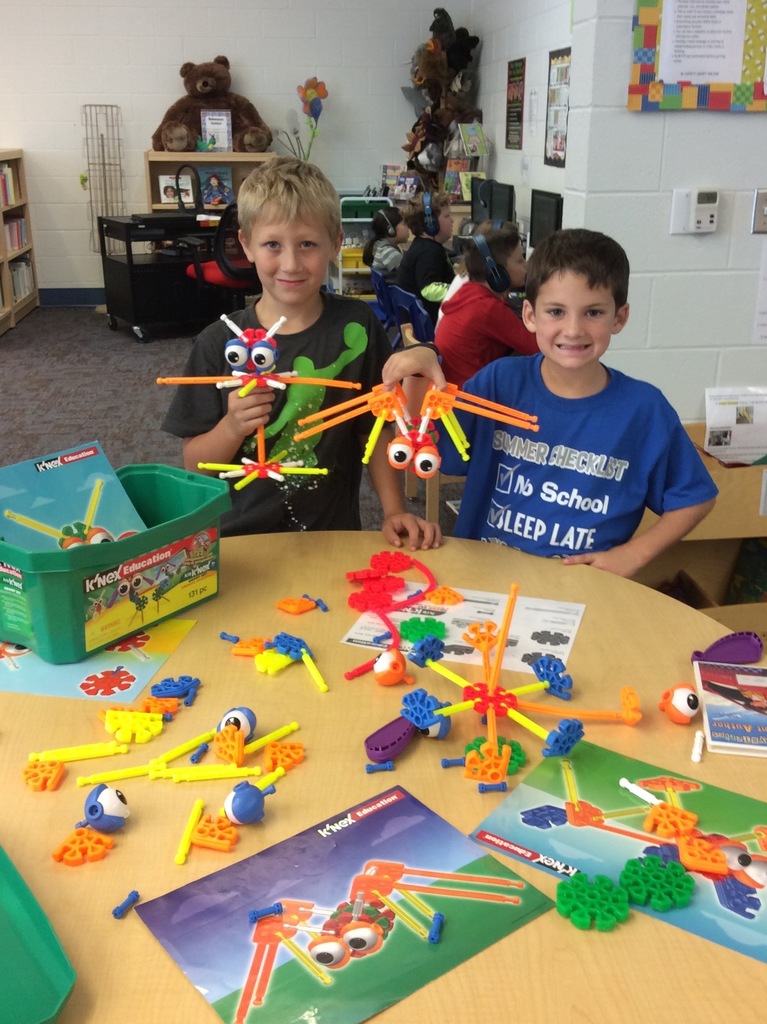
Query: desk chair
384	305
408	308
229	271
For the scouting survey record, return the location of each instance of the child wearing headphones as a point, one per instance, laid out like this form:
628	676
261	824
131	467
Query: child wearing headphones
426	270
382	250
479	324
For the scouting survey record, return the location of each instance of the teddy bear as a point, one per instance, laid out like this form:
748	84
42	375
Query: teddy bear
207	88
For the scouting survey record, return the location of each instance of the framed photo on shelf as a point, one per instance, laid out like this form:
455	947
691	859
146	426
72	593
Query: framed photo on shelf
216	130
217	188
168	192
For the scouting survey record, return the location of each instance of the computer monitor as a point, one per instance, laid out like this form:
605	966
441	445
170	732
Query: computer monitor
502	206
481	191
545	215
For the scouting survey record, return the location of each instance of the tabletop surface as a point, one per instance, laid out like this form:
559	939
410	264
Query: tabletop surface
545	971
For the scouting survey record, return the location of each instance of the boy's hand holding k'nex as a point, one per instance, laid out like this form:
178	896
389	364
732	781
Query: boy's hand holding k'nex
418	360
420	533
245	415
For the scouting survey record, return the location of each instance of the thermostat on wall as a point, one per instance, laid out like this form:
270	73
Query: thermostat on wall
693	211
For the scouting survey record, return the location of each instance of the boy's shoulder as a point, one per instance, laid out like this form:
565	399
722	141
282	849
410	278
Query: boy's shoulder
641	389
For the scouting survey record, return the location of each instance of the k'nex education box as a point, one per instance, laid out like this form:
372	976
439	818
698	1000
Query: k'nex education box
66	604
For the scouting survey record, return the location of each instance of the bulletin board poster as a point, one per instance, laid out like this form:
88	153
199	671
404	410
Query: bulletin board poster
692	57
557	107
515	103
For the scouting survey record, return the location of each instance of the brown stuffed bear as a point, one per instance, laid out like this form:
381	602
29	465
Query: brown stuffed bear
207	87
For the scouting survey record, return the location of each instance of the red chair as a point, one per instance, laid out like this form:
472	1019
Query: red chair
229	270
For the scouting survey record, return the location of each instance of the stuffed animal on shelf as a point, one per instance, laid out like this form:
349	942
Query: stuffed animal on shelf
208	88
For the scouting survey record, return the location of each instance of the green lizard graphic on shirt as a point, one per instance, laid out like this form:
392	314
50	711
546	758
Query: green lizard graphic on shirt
304	399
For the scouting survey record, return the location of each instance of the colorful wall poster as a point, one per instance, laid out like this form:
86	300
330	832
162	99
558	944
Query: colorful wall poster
557	108
357	893
571	815
686	57
515	103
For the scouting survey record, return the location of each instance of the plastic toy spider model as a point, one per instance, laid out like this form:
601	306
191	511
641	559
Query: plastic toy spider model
252	354
414	447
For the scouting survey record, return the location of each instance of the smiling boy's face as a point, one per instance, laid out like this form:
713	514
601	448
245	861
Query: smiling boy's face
291	259
574	323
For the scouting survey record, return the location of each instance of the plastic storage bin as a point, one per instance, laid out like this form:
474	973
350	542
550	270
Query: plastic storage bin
67	604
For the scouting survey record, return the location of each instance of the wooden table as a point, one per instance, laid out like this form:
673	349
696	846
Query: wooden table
547	971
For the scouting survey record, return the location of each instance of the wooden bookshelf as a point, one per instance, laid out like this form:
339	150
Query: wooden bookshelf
18	278
166	164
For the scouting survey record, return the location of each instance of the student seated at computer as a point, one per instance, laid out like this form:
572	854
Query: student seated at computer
426	270
462	275
482	321
382	250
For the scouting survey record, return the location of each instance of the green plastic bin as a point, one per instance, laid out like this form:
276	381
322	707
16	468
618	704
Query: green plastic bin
65	605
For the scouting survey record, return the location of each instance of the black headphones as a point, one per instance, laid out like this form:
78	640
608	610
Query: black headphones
430	222
391	229
497	277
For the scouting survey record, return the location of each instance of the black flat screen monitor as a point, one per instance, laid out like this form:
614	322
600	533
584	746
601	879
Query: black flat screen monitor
481	191
502	206
545	215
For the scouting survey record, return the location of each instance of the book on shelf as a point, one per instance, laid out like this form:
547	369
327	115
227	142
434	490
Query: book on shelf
7	185
168	191
407	187
451	184
473	138
390	174
465	177
217	188
15	233
61	500
216	130
22	278
733	703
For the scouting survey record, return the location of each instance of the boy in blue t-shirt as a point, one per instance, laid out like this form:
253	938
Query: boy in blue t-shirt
608	446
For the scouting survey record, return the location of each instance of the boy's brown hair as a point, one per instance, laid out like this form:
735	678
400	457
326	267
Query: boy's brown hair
500	241
597	257
285	188
415	218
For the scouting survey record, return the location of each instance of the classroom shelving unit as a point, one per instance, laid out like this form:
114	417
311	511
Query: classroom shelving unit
164	164
18	278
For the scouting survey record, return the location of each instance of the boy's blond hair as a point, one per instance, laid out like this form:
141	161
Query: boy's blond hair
284	188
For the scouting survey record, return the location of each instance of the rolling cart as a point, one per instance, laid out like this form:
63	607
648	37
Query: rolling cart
146	289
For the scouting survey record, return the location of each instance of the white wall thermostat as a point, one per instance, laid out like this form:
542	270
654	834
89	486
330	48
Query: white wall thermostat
694	211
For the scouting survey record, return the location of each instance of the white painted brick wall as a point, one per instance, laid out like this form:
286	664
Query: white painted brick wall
692	298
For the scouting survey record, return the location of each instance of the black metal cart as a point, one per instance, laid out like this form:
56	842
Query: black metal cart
150	288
